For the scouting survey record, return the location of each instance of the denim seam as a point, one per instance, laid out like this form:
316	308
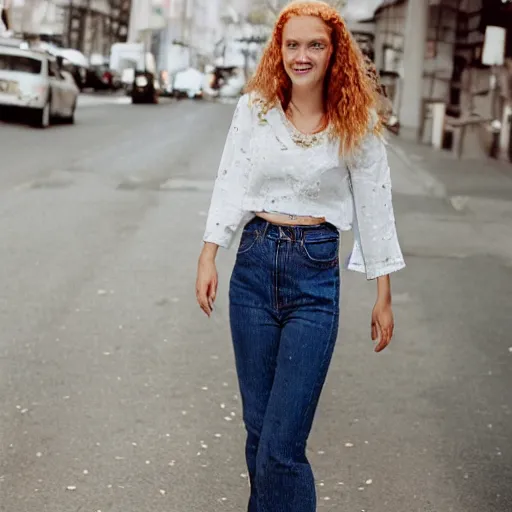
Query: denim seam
328	263
276	276
334	318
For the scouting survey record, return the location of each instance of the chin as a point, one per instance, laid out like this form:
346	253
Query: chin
306	81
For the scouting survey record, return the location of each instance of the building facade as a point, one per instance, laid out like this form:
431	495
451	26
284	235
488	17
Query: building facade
90	26
431	51
184	33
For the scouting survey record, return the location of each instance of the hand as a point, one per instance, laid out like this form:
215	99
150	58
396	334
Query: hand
206	283
382	324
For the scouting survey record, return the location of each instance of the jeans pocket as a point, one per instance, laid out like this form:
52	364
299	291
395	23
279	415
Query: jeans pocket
322	251
247	241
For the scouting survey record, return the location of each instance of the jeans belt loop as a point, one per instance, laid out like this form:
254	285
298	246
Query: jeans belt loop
265	229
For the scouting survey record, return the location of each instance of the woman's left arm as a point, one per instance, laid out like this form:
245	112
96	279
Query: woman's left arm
377	250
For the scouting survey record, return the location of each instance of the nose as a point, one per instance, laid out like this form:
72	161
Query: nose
302	55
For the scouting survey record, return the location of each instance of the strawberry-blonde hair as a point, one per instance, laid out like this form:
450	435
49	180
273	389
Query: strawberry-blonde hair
349	94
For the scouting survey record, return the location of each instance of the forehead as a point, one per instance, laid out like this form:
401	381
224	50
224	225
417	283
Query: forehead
305	27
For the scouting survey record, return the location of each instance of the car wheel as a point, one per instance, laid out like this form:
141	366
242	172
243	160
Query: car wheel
71	118
43	115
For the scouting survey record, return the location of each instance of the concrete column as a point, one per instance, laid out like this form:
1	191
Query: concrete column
414	54
133	29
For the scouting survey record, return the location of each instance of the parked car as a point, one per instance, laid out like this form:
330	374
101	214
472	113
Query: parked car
226	82
233	84
32	82
101	78
146	88
188	84
71	60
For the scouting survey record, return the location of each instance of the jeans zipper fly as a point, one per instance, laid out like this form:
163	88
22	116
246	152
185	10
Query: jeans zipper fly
276	275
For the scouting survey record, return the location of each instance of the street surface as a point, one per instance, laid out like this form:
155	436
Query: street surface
118	395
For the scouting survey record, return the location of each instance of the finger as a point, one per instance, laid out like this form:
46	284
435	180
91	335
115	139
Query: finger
384	340
212	294
202	292
203	302
381	346
206	308
374	332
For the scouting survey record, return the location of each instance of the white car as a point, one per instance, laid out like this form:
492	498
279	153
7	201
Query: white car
188	83
233	86
33	82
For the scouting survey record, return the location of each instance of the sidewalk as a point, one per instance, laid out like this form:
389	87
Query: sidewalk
470	199
449	177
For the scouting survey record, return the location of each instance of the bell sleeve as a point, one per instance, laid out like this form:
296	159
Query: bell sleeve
226	213
376	250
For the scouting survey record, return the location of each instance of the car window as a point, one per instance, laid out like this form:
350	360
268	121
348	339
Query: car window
53	69
20	63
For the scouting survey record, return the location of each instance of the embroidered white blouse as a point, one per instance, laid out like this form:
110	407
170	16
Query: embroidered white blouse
264	170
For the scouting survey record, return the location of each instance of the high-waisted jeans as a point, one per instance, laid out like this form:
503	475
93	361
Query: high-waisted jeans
284	312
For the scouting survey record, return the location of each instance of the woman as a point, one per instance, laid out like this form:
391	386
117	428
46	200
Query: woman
303	160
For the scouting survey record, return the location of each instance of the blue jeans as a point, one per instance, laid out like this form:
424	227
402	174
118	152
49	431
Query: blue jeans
284	313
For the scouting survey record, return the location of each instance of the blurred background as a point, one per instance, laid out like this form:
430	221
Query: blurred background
115	393
429	54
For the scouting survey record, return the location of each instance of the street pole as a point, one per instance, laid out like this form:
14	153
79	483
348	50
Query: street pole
87	22
414	52
70	22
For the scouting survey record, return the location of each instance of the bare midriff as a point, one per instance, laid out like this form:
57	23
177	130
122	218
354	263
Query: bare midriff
290	220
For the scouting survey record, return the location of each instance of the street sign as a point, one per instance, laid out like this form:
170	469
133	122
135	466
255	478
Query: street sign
494	46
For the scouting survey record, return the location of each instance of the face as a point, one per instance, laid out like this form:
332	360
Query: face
306	50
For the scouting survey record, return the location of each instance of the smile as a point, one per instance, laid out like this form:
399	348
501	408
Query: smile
302	69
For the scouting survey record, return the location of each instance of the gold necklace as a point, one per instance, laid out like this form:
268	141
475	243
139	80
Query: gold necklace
304	140
317	127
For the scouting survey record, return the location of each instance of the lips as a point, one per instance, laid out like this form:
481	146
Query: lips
301	70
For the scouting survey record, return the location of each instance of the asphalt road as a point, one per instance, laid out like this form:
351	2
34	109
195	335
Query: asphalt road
117	395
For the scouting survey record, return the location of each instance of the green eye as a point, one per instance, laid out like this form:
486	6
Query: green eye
318	46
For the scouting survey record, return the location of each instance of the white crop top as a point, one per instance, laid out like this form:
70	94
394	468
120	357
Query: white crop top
263	169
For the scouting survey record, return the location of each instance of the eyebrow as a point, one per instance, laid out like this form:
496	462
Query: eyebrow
316	39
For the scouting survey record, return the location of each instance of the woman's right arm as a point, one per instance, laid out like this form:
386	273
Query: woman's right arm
226	213
207	278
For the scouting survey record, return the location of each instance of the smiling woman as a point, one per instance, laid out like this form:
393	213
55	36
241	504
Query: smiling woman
306	51
304	159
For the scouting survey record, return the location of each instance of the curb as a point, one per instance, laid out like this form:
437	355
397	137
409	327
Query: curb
432	185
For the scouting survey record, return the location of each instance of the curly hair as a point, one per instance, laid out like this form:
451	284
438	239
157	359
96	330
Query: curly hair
349	92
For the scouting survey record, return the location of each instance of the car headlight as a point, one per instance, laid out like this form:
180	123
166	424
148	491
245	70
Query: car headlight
141	81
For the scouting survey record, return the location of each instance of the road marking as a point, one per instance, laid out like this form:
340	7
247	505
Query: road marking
86	100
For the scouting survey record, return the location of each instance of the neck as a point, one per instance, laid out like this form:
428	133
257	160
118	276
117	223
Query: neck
309	102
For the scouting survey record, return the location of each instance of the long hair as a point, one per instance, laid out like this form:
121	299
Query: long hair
349	95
